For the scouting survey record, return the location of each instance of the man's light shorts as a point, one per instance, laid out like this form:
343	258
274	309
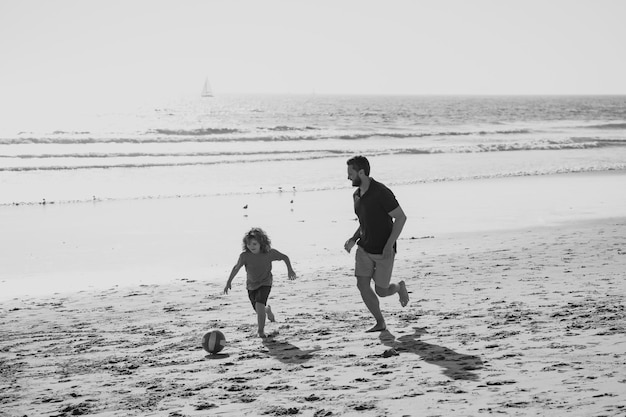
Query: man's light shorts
372	265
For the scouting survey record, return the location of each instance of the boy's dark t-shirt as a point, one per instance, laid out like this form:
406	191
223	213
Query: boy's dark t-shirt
259	268
373	210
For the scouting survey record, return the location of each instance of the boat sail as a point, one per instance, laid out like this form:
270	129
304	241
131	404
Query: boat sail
206	90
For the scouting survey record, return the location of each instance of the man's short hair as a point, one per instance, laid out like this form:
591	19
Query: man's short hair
360	163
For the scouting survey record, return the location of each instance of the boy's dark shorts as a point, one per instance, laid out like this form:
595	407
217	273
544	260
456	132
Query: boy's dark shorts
260	295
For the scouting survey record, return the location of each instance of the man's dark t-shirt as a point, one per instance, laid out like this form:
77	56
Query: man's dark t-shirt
373	210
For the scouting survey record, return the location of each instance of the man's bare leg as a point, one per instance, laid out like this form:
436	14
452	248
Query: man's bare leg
371	302
399	288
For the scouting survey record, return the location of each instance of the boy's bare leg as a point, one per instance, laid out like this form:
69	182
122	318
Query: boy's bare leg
404	294
270	314
260	313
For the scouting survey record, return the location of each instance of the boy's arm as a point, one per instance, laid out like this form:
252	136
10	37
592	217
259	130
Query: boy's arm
290	272
233	273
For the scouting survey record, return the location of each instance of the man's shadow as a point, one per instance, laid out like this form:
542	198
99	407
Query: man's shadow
286	352
456	365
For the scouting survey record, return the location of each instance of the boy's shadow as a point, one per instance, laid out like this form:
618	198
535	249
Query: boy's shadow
286	352
456	365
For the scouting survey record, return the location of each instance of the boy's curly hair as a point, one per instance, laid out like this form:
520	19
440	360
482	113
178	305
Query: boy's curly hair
260	236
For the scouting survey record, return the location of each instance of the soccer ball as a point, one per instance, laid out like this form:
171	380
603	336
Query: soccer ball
214	341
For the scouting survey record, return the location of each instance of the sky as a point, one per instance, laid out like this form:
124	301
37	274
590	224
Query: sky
96	52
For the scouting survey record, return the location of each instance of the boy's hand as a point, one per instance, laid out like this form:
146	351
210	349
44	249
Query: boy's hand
227	287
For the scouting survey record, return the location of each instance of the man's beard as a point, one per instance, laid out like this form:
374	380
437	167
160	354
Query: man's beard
356	182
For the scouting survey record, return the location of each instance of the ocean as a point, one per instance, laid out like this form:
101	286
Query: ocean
238	145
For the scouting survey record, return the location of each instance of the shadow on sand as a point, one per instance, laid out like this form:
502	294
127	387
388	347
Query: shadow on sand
286	352
455	365
214	356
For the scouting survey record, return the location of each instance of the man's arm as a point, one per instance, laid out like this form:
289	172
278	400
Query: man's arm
352	241
399	219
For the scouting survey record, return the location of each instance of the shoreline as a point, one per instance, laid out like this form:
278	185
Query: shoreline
251	194
62	248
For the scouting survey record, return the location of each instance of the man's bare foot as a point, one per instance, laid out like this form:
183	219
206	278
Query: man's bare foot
270	314
404	294
379	327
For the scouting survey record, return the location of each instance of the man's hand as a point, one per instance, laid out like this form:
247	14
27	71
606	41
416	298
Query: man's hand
388	251
349	245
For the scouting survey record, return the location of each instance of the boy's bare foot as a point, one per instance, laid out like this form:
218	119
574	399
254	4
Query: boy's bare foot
270	314
379	327
262	335
404	294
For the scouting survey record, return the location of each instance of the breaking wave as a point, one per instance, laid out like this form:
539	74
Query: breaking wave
608	126
208	135
103	160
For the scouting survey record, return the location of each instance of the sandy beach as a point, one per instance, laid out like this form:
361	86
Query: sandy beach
502	321
140	141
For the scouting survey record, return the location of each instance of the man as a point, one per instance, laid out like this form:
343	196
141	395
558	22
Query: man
381	220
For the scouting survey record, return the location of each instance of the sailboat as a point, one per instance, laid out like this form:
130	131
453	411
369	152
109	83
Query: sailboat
206	90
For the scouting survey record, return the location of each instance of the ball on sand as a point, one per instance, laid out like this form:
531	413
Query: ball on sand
214	341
